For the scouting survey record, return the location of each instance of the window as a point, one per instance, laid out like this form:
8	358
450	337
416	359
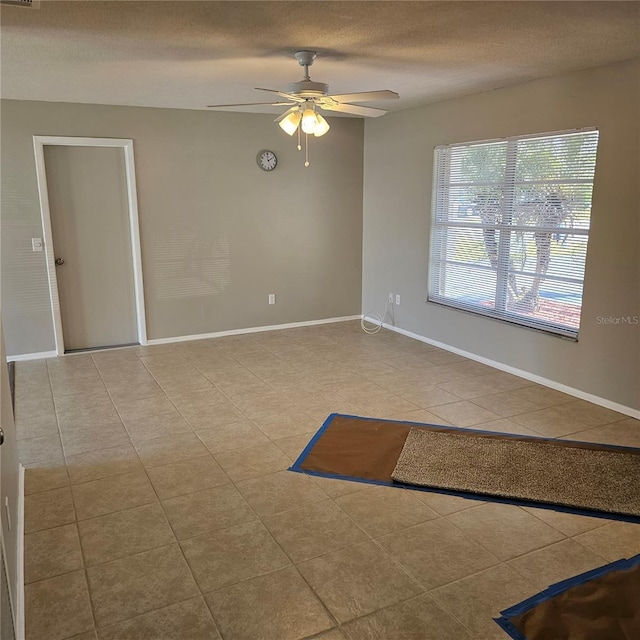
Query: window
510	227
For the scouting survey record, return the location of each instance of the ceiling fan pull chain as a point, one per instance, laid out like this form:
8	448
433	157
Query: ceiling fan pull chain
306	149
299	145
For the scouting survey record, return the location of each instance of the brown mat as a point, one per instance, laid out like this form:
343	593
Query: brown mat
367	450
523	469
601	604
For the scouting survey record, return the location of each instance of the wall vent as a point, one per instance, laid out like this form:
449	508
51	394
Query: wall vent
27	4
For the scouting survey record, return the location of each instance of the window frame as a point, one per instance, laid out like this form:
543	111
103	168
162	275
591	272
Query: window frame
509	184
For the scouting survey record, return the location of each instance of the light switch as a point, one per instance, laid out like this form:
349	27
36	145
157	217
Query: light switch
36	244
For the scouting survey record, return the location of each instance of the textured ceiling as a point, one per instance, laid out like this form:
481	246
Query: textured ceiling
189	54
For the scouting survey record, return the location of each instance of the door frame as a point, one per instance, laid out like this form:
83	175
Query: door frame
126	145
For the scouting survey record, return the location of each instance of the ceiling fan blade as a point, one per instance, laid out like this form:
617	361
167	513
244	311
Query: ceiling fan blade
355	110
288	96
249	104
365	96
286	113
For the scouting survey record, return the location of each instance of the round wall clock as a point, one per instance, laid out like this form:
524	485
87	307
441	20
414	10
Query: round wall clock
267	160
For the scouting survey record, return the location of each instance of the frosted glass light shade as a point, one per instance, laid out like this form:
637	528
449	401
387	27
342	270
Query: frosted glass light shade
309	121
322	126
290	123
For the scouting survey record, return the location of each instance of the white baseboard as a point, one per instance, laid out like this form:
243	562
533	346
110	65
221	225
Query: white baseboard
237	332
32	356
558	386
19	605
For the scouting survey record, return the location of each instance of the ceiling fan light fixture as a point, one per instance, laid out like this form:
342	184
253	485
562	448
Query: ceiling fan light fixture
322	126
290	123
309	121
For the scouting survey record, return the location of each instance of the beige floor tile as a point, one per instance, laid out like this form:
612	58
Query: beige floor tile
188	402
166	450
280	492
227	437
145	407
568	523
436	553
122	392
180	384
40	449
416	619
357	580
294	445
266	405
541	396
187	476
464	414
159	426
382	510
386	406
136	584
285	425
124	533
505	530
107	495
78	384
103	464
251	462
334	487
625	433
429	374
277	606
332	634
216	415
43	476
48	509
427	396
592	414
475	600
35	404
313	530
553	422
421	416
613	541
468	388
222	558
556	562
206	511
443	503
58	608
188	620
81	417
39	426
51	552
94	438
87	635
505	404
505	425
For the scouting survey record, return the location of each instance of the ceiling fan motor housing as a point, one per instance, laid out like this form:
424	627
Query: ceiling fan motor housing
308	89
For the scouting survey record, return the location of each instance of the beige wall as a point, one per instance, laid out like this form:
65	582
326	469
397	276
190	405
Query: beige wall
397	201
9	480
218	234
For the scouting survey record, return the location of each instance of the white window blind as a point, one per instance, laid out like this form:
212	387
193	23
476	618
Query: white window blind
510	227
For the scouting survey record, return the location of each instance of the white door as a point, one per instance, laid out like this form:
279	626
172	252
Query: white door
88	205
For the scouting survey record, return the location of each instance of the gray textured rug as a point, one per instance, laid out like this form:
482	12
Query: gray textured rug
556	472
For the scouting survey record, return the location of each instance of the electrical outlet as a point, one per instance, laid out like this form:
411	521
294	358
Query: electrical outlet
398	299
390	297
272	298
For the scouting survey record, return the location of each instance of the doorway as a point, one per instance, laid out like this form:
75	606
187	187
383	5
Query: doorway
91	238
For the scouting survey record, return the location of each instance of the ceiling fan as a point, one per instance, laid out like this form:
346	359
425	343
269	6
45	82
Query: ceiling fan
305	97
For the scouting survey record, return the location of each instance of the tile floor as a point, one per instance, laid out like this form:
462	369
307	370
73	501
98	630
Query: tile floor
159	506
